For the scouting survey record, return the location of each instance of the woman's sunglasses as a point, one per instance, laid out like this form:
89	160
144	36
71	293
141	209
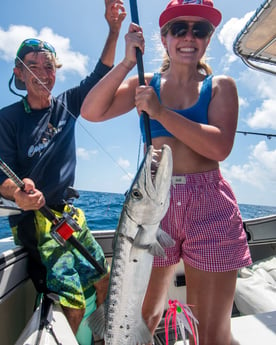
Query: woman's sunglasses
199	30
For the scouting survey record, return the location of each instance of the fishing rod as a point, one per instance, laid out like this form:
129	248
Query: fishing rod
62	228
269	136
140	67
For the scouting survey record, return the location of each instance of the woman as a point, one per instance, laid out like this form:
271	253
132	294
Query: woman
195	113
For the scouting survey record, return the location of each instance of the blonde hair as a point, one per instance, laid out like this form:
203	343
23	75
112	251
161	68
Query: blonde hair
202	66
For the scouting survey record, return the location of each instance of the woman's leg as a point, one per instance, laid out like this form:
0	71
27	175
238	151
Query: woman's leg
156	295
211	296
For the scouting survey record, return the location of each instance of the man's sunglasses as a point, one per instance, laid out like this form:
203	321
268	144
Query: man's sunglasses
36	45
199	30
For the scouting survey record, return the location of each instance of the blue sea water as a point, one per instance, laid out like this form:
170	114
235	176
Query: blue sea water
103	210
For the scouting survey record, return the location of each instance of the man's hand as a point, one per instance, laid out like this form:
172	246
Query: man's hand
114	14
29	199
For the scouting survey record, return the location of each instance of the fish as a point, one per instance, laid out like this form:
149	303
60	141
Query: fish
138	238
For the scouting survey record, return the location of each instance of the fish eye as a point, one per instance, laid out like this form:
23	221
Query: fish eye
136	194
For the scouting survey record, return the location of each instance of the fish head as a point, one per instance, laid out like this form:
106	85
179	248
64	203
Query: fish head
147	200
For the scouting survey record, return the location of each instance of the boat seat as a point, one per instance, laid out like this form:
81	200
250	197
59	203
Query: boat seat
256	287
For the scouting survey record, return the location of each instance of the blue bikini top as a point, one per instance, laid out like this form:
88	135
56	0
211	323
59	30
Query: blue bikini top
197	113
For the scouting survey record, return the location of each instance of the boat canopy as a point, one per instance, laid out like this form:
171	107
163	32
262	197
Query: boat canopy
256	43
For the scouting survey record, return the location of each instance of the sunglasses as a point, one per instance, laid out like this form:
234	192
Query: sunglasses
199	30
36	45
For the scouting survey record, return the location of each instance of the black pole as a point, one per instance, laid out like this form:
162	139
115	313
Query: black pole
85	253
49	214
45	210
140	66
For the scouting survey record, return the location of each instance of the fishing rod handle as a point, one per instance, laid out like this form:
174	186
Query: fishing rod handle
63	232
49	214
9	173
141	74
139	58
45	210
134	11
76	244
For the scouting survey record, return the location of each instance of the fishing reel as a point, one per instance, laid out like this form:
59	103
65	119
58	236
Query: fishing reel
64	227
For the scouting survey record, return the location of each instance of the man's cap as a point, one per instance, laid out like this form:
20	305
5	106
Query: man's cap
196	8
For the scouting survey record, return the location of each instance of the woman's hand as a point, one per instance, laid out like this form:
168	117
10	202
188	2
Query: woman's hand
146	100
134	39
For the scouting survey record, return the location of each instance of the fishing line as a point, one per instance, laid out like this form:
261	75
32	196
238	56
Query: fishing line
75	118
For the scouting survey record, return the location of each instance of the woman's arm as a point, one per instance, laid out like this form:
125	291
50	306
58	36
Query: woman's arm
111	96
214	140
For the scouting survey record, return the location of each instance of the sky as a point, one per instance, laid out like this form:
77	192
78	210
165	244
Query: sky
108	153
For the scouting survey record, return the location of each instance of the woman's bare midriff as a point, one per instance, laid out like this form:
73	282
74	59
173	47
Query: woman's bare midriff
185	161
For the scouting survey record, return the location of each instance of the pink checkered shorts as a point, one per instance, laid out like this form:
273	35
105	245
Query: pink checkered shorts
206	224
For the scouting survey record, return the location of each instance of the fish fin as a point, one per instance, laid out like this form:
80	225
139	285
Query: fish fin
142	334
134	254
154	249
96	321
157	250
164	239
139	237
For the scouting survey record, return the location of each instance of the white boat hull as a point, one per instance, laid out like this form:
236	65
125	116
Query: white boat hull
58	329
17	294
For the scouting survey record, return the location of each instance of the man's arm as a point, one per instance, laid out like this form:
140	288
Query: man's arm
29	199
7	189
114	14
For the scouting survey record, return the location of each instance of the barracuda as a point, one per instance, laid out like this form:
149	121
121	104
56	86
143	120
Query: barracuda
138	238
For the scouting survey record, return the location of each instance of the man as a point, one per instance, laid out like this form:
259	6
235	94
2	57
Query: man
37	142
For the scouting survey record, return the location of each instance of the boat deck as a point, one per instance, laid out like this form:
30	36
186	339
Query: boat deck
246	330
255	329
17	294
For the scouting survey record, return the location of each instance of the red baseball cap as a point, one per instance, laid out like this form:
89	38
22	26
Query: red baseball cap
197	8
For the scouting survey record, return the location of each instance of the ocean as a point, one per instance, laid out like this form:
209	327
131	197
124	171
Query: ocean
103	210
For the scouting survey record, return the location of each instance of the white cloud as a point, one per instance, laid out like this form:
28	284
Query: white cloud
128	177
84	154
243	102
123	163
265	84
266	158
264	116
262	89
71	61
259	171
